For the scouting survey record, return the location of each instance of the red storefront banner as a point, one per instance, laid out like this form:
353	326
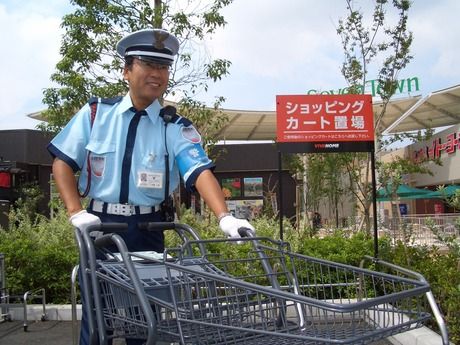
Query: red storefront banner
449	144
327	123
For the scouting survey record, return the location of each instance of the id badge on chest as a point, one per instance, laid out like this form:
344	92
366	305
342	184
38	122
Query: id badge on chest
148	179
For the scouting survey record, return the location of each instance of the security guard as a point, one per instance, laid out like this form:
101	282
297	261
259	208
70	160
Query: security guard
120	146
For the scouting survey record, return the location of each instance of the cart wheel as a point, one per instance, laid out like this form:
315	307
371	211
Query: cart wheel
44	318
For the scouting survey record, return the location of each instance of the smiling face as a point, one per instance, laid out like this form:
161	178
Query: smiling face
147	81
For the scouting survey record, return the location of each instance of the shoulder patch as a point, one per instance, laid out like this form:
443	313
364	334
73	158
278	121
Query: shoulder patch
110	101
191	134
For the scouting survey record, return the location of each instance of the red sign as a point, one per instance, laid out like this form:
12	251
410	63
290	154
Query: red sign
325	119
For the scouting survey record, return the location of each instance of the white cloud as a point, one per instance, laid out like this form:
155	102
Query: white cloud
275	47
30	43
436	35
273	41
291	46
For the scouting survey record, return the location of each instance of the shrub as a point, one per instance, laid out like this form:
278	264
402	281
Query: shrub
442	271
39	253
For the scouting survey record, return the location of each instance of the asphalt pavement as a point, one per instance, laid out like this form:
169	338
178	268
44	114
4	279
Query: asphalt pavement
51	333
38	333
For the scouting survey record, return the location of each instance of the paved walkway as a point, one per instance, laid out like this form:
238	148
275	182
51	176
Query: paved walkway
38	333
51	333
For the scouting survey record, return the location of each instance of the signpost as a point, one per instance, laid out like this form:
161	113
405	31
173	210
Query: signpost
326	124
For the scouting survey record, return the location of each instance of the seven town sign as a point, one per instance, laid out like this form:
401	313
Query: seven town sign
373	87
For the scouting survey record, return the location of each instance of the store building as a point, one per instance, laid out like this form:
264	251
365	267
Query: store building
444	146
243	169
248	174
23	160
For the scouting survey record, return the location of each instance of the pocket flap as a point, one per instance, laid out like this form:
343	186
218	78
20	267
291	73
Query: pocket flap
100	147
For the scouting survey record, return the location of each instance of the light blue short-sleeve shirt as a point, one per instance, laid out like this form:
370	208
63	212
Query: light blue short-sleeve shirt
106	140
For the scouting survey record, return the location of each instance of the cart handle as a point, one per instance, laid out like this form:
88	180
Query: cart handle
179	228
157	226
104	241
246	232
108	227
161	226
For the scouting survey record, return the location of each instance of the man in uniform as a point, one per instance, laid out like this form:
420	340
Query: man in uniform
120	146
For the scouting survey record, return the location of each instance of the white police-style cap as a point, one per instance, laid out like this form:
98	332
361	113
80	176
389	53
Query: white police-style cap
156	45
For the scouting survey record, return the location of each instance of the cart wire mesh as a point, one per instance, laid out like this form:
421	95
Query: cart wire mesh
268	295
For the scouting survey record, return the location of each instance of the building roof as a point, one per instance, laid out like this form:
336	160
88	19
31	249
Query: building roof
437	109
261	125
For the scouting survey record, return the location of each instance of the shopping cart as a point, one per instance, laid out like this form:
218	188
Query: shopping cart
202	293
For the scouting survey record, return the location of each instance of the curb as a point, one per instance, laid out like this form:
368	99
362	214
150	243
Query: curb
54	312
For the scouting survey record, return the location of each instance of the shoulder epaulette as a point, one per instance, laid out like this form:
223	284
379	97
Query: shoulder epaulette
184	121
93	100
111	100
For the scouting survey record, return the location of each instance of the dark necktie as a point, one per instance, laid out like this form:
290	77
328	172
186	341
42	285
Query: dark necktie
127	158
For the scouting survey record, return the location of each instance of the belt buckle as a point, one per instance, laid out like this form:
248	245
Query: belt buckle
126	210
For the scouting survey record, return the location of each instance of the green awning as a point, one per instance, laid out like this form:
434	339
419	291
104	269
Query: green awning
402	192
445	192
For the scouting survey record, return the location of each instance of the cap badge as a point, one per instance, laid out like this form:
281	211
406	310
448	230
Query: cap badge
159	38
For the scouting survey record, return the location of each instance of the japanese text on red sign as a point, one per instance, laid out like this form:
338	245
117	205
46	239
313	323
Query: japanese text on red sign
322	118
437	147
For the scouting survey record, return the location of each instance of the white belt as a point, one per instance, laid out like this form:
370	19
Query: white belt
121	209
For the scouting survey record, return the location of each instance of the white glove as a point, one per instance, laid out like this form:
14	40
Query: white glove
82	220
230	225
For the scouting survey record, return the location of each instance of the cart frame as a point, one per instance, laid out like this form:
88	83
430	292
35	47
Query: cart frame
282	308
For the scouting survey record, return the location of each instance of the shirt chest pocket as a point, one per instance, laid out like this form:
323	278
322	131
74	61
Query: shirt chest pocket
153	162
150	175
102	157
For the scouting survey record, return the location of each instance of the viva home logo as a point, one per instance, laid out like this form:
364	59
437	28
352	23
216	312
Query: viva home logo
373	87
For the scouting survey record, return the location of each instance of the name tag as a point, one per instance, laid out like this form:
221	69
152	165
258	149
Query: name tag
147	179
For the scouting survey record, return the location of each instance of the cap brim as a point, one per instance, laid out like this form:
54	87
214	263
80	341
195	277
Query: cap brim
157	60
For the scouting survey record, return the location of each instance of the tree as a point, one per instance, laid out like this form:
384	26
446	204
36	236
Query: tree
323	179
364	46
90	66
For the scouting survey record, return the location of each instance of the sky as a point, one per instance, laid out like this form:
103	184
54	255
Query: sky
276	47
